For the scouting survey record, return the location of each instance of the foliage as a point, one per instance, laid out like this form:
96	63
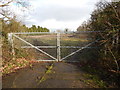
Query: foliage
66	30
35	28
91	79
84	27
106	19
14	65
10	23
4	3
48	71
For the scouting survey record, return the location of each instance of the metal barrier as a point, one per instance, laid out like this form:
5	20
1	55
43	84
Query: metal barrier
56	46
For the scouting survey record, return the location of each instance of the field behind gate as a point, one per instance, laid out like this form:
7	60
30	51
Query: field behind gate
48	42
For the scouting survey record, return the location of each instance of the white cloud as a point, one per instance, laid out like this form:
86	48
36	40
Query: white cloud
60	14
66	3
53	24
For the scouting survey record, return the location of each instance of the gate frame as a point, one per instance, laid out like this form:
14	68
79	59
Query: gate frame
11	37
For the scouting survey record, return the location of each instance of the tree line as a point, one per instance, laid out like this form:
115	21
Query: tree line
106	19
10	22
35	28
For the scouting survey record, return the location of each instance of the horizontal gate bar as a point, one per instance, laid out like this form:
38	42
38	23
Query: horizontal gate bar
56	47
68	61
88	31
75	47
39	46
35	33
54	32
34	46
45	60
78	50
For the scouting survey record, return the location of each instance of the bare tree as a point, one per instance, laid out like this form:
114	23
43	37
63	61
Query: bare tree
6	3
23	3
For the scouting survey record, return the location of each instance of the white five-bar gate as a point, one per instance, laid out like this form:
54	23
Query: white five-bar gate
58	46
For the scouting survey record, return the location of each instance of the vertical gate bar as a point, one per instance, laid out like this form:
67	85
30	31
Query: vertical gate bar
13	50
58	46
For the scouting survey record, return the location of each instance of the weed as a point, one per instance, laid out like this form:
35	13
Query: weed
49	68
42	79
48	71
95	80
31	65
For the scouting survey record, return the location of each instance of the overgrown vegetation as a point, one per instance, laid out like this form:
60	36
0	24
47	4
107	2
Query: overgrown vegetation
106	19
11	23
93	80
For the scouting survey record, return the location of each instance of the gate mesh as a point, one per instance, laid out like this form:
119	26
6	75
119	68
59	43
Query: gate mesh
43	41
69	43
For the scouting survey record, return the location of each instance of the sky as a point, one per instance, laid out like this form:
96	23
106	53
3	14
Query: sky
59	14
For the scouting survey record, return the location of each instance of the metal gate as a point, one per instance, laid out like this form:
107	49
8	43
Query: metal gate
62	43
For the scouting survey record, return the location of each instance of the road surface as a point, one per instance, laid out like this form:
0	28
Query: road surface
59	75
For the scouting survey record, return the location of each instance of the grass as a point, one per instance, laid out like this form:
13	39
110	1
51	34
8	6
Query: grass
52	39
45	40
41	80
66	39
94	80
72	41
93	76
48	71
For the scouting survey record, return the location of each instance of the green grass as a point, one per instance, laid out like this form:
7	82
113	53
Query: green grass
48	71
94	80
52	40
93	76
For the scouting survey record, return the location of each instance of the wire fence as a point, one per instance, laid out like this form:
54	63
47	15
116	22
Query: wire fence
54	46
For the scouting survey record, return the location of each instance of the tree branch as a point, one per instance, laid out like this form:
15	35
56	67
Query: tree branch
114	59
6	4
117	16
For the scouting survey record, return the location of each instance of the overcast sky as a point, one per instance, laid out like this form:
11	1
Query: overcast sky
59	14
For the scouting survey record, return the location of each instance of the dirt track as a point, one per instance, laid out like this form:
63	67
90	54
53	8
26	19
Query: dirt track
62	75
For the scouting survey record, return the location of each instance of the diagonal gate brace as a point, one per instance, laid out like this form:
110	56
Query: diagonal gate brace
34	47
79	50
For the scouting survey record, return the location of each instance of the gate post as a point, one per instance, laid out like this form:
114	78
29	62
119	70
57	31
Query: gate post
58	46
11	40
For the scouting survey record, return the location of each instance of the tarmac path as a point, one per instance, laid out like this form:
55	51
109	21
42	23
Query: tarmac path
46	75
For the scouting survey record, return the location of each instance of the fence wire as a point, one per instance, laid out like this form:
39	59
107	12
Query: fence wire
72	46
43	41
